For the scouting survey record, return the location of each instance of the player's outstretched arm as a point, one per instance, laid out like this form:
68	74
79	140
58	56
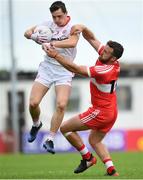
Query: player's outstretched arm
87	34
68	64
90	37
29	32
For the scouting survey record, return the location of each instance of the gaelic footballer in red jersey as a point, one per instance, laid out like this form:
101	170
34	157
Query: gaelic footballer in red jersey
103	96
101	116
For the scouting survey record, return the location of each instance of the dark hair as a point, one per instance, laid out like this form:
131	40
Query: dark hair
117	48
58	5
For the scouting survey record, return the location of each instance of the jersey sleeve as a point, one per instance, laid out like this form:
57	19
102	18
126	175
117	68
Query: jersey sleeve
103	74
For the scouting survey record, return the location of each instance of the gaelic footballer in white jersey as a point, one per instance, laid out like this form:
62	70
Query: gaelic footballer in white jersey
59	34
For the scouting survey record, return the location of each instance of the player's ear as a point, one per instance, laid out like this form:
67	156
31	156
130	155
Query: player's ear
113	59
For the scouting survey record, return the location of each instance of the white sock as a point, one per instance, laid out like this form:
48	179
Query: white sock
51	136
36	123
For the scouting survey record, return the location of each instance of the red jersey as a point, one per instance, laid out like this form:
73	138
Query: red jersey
103	84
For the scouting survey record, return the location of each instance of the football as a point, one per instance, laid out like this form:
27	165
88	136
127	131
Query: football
44	31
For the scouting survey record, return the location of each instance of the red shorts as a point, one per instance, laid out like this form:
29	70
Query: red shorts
98	119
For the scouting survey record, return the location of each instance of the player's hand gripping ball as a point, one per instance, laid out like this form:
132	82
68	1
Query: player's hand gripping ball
42	34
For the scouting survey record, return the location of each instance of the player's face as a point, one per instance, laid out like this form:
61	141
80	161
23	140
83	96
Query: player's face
59	17
107	55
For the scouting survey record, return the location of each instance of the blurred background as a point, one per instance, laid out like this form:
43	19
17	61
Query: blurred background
120	20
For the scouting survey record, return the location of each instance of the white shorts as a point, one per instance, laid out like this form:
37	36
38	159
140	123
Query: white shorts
49	74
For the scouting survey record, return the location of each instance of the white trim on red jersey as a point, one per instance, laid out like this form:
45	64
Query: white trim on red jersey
90	116
103	69
103	87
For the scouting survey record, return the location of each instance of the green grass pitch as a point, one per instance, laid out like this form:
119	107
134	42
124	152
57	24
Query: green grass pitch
61	166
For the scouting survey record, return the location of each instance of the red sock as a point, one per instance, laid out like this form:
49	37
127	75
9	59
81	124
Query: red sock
109	165
84	152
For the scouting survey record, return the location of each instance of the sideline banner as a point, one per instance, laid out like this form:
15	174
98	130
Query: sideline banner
134	140
115	141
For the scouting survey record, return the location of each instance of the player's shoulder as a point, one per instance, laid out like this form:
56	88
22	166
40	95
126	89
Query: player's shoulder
117	66
46	23
72	22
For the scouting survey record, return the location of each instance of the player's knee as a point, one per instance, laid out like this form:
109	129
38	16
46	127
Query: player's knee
62	129
33	103
92	142
61	106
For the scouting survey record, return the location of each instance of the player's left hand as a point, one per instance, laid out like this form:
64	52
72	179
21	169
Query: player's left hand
39	38
51	52
42	39
49	49
46	46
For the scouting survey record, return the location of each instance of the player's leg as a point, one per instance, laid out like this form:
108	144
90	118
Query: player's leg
62	96
69	129
37	93
95	140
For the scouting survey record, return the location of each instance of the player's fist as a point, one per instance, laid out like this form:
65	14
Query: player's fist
28	34
51	52
42	34
49	49
46	46
38	38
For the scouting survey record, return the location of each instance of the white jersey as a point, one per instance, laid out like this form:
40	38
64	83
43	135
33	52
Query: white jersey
60	33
